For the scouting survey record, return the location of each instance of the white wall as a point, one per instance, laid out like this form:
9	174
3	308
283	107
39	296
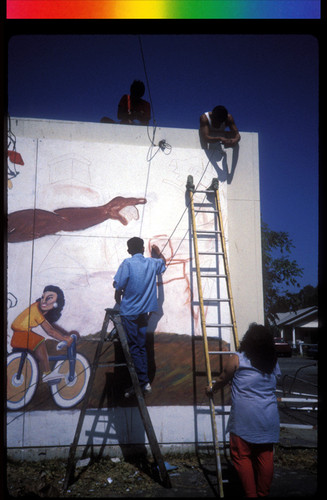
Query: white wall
71	164
82	165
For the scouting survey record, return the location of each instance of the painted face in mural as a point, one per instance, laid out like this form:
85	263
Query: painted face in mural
48	301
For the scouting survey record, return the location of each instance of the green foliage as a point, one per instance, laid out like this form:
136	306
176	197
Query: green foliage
279	272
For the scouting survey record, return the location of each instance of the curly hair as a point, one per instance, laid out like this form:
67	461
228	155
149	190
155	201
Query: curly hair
258	345
54	314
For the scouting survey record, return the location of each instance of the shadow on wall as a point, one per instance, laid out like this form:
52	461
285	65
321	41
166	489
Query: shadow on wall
218	158
117	425
152	326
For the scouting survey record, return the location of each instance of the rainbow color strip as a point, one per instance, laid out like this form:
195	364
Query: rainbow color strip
163	9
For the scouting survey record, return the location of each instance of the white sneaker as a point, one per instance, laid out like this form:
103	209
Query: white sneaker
147	389
129	392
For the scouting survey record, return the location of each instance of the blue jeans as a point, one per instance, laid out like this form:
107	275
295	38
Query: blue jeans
135	328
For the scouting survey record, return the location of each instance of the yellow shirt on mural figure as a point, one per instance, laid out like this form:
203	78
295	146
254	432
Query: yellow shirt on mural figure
23	336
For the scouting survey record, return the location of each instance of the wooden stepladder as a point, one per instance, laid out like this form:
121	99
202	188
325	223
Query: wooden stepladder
211	236
114	316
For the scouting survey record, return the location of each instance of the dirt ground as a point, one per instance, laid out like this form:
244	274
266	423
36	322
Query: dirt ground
190	476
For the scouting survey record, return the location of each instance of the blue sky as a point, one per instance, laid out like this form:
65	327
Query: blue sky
269	83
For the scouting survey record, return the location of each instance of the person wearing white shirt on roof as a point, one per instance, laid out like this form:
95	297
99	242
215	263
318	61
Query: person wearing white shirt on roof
213	123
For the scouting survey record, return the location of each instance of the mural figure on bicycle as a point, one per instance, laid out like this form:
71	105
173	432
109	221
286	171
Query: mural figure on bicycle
69	377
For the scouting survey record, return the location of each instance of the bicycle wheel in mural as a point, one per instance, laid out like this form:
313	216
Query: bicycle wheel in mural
66	393
21	390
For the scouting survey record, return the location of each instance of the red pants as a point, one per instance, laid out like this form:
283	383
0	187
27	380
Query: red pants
254	464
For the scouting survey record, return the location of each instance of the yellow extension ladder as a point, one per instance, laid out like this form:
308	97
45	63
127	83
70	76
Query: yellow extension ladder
210	233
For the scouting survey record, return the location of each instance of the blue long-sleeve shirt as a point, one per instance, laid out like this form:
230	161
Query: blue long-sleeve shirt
136	276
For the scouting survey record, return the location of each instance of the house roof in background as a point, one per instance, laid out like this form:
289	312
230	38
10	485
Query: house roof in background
297	317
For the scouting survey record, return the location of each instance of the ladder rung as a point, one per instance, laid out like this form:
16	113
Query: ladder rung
211	272
207	232
222	352
213	276
215	300
211	253
207	211
218	325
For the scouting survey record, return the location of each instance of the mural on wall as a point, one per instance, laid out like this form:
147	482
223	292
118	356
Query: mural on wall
14	158
63	231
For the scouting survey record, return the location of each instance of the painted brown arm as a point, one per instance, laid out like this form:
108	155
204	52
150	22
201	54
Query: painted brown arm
26	225
56	333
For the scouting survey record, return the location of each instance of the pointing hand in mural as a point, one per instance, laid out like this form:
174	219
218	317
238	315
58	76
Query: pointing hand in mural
123	209
29	224
44	312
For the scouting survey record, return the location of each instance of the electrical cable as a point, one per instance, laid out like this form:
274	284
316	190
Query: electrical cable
162	145
180	219
166	149
149	156
147	80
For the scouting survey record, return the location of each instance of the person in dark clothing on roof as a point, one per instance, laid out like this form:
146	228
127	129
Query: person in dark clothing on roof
132	109
212	128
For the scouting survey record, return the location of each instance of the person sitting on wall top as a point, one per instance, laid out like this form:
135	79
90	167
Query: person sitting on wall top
212	123
132	109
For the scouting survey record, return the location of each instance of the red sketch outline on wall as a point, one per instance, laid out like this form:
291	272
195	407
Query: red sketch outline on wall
172	261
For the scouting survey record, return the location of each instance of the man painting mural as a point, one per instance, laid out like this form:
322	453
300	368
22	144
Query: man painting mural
136	292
